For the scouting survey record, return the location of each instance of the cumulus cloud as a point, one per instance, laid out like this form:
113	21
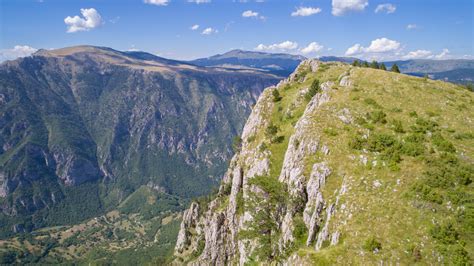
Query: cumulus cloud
340	7
378	49
313	47
418	54
194	27
412	27
157	2
199	1
387	8
249	14
282	47
252	14
443	55
15	52
90	19
305	11
209	31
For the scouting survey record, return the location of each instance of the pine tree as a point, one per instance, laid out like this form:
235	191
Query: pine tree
382	66
365	64
374	64
356	63
395	68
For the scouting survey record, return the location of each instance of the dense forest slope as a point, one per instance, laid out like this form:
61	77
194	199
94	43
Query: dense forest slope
84	127
346	165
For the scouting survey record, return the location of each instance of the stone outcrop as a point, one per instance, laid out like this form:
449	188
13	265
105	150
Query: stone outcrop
225	220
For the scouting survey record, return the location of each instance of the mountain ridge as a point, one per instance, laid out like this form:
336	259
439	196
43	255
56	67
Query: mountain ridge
338	164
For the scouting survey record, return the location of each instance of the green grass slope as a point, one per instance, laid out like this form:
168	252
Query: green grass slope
406	158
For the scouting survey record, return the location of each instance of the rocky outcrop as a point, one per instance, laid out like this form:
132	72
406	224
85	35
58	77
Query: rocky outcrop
226	218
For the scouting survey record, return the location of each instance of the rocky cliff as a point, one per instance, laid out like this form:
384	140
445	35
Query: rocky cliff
340	164
94	123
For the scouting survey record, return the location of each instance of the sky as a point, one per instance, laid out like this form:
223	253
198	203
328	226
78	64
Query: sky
189	29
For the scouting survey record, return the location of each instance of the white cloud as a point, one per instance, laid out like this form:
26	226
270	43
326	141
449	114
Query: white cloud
382	45
91	19
157	2
15	52
252	14
443	55
282	47
418	54
313	47
340	7
387	8
249	14
378	49
194	27
412	27
209	31
354	50
199	1
305	11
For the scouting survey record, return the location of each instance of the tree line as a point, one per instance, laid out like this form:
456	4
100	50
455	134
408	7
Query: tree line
376	65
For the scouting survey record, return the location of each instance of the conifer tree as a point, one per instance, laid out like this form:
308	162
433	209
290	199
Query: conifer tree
395	68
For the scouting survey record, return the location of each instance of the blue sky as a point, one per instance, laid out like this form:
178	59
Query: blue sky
370	29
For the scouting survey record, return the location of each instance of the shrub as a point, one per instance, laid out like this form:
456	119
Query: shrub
372	245
276	95
377	117
442	143
380	142
423	125
445	233
315	88
413	114
357	142
271	130
397	126
237	143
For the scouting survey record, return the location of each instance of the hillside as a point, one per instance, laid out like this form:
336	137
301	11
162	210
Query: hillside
344	165
452	70
84	127
275	63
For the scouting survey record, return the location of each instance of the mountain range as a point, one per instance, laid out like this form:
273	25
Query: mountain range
103	150
94	123
453	70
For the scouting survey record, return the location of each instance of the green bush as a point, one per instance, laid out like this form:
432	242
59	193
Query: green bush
357	142
397	126
378	142
445	233
271	130
423	125
236	143
377	117
315	88
372	244
442	144
276	95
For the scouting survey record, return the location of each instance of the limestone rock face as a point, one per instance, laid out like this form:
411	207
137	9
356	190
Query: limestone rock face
226	218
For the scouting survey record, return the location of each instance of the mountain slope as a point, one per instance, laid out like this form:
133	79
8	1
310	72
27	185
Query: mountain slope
344	165
278	64
94	123
453	70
